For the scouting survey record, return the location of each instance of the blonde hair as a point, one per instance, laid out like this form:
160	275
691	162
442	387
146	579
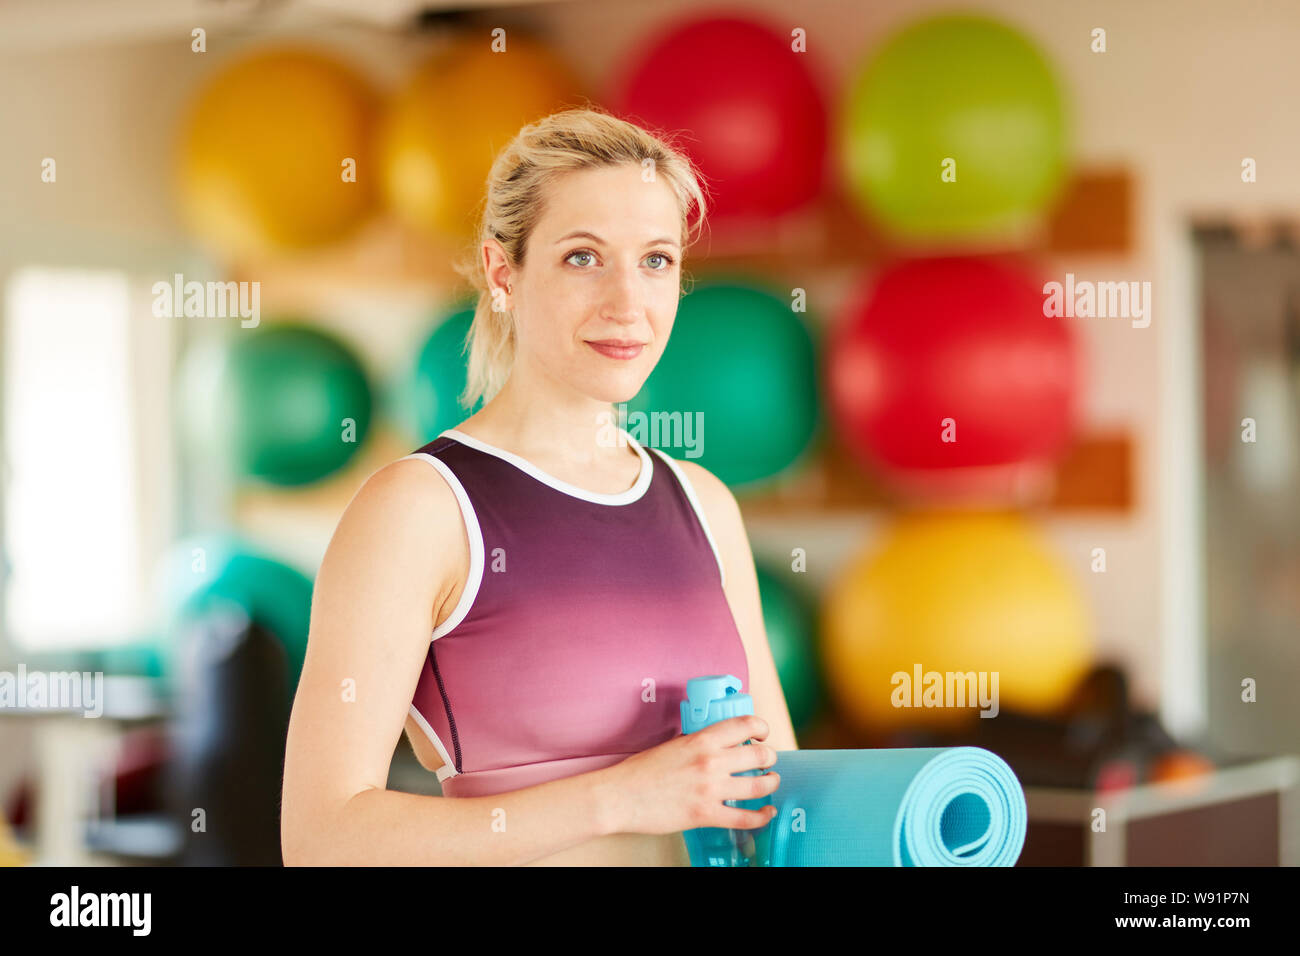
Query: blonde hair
567	141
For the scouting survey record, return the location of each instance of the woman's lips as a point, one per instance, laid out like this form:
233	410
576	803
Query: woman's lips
617	351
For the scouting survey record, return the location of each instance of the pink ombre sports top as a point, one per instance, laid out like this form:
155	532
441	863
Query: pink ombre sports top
582	619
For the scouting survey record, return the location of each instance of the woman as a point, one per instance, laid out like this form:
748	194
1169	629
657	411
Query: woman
572	580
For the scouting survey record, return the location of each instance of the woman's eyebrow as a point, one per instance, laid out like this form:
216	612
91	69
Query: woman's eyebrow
583	234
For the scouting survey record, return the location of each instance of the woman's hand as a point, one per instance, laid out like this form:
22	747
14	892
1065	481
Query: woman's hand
681	783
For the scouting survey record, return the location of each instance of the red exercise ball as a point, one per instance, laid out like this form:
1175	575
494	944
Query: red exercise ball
948	363
752	117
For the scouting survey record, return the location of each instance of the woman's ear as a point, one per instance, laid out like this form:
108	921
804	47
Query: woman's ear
496	267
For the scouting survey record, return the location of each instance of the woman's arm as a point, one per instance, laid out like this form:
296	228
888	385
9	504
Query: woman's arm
389	566
741	588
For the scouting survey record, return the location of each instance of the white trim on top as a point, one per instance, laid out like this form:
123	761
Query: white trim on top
448	768
475	533
699	511
523	464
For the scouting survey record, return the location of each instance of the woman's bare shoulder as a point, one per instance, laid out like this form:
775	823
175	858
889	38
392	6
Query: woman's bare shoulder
406	500
408	483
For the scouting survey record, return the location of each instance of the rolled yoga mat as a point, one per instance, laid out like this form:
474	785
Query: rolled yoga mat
931	806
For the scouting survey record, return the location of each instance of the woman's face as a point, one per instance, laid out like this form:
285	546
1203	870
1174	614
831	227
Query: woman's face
598	292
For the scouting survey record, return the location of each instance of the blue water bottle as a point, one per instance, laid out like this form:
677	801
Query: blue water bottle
709	700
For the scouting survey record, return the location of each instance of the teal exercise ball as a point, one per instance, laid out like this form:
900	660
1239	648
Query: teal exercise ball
790	621
431	401
955	129
284	403
202	573
736	388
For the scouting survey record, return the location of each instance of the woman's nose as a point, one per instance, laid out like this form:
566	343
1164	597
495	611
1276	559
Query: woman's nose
626	294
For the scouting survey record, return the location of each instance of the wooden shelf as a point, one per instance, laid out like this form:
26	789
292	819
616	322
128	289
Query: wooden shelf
1094	475
1092	215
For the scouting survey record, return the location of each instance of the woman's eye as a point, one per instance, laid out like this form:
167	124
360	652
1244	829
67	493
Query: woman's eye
667	259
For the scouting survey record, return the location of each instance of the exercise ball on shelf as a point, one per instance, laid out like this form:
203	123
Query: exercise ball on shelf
430	396
285	403
262	153
947	363
791	625
953	593
208	574
755	116
443	129
739	379
954	129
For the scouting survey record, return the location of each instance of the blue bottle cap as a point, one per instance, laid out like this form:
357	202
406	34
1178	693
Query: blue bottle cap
711	699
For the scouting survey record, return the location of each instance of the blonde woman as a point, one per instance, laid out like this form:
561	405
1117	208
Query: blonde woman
527	595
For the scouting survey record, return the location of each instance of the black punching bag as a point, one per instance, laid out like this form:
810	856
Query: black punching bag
228	740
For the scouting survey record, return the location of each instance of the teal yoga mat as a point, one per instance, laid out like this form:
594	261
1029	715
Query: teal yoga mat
936	806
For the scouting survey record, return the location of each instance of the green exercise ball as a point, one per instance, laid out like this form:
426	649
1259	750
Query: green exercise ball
284	403
199	574
791	634
432	399
962	88
737	382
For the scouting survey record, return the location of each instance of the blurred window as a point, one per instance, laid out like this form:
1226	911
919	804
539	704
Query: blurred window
71	492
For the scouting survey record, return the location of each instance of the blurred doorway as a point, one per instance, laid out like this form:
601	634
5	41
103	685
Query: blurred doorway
1250	331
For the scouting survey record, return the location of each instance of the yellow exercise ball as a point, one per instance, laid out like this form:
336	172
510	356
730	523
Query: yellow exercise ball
953	593
442	131
267	152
